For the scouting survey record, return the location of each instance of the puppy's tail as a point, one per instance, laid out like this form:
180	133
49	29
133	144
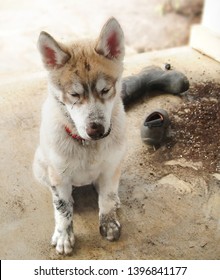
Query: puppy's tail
150	79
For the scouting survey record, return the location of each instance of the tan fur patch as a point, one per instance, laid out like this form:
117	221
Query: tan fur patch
117	174
86	67
54	177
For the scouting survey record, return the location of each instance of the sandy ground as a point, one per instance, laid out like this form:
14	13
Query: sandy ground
170	206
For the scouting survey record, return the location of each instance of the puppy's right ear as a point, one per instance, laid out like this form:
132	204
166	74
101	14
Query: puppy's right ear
53	55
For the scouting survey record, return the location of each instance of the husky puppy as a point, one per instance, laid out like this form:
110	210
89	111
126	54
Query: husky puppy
82	133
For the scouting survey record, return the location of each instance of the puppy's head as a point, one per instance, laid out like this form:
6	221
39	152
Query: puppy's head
85	76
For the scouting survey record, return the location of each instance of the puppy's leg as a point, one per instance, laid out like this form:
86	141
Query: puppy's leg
108	203
40	168
63	237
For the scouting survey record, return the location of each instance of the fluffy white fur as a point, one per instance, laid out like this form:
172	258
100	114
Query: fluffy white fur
62	162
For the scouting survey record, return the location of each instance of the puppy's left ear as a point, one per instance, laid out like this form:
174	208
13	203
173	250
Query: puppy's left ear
111	40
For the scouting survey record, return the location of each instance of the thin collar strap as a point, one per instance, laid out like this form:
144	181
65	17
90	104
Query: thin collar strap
68	130
74	136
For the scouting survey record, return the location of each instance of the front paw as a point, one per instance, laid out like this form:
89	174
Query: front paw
110	229
64	241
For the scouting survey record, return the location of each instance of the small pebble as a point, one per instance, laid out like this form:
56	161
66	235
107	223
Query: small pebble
167	66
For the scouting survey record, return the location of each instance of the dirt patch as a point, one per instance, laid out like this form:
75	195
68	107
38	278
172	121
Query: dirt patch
195	128
171	193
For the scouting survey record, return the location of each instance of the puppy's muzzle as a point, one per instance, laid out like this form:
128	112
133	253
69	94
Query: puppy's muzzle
96	131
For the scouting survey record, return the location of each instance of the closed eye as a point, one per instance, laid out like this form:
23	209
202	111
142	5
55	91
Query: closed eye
75	94
105	90
75	97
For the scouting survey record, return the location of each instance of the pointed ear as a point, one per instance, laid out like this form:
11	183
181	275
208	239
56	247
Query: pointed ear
53	55
111	40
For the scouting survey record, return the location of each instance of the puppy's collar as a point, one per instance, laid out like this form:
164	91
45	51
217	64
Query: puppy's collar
74	136
68	130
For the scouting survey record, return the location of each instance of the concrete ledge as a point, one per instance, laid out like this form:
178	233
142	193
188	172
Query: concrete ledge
205	41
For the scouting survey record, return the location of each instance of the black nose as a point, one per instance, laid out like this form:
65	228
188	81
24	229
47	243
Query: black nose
95	130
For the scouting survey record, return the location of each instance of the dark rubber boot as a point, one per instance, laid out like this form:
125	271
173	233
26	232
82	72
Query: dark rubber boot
153	78
154	128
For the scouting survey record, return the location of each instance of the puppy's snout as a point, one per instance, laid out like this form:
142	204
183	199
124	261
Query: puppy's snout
95	130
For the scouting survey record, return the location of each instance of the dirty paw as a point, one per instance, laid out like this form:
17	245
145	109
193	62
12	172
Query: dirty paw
63	241
111	230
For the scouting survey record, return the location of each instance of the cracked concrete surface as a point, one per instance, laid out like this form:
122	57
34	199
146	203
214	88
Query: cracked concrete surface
168	210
